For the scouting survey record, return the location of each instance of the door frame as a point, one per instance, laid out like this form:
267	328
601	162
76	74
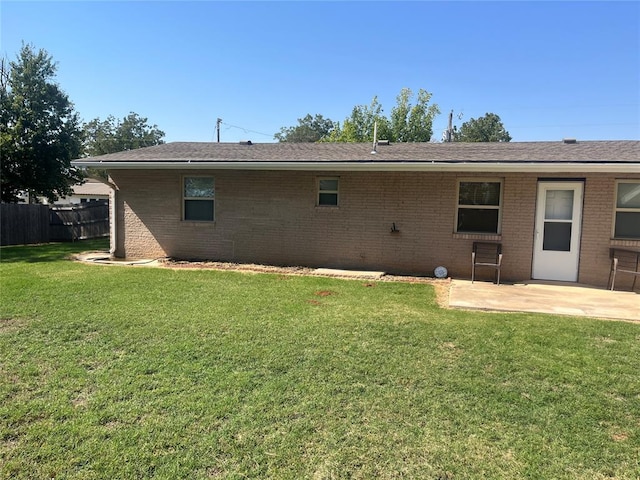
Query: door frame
557	265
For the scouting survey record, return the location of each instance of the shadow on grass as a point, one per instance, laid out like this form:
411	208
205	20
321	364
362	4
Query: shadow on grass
49	252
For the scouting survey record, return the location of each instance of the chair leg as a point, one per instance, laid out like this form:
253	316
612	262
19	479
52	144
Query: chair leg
473	266
614	267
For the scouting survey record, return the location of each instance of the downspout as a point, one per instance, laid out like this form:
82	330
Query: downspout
113	219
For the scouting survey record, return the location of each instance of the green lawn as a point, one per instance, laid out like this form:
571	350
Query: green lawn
112	372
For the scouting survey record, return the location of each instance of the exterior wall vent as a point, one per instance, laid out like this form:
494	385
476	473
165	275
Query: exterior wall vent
569	141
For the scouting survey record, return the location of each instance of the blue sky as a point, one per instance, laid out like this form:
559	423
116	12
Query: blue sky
550	70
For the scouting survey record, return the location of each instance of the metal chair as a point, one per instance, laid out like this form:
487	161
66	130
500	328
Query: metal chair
486	254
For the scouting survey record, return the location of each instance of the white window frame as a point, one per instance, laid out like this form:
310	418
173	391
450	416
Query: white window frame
617	209
319	191
185	198
479	207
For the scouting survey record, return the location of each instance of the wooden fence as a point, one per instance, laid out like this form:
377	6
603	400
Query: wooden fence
23	224
79	222
27	224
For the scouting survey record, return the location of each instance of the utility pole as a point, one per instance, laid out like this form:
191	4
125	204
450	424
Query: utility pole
218	122
375	138
450	129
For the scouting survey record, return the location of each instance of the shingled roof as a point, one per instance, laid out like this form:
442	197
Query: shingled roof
359	155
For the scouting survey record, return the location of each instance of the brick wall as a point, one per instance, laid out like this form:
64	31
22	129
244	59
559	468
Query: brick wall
597	220
597	225
272	218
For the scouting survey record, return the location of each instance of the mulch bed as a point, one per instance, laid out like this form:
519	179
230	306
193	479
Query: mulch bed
258	268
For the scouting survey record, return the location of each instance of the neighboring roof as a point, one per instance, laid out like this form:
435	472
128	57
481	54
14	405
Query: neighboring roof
359	156
92	188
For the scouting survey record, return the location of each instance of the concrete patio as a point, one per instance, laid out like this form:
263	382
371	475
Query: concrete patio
546	297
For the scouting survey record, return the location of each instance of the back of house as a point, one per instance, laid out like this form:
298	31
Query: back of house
556	208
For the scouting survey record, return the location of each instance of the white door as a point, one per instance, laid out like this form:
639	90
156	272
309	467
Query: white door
556	249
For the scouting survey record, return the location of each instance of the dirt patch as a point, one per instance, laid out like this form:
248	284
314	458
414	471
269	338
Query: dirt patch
324	293
81	401
10	325
620	437
441	288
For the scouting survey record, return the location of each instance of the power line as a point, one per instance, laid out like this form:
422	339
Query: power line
577	125
444	126
245	130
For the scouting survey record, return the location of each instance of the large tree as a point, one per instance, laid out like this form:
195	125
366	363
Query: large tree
413	123
407	123
359	126
483	129
39	130
112	135
309	129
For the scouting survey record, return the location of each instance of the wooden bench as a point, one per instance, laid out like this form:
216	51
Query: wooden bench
625	261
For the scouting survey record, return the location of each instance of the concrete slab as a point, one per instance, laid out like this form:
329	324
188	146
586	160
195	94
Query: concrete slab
106	259
546	297
348	273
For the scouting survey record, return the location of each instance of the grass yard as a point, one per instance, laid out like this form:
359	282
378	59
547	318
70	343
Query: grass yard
111	372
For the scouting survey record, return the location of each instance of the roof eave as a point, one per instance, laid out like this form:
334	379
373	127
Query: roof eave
368	166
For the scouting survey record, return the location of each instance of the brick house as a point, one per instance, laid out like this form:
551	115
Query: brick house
556	207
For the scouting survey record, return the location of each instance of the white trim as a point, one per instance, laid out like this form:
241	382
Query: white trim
617	209
319	191
210	199
113	221
498	207
537	167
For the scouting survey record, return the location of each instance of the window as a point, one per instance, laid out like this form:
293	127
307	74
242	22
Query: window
198	197
328	192
627	213
478	209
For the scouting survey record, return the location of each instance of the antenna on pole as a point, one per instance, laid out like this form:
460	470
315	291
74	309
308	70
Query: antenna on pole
218	122
450	129
375	137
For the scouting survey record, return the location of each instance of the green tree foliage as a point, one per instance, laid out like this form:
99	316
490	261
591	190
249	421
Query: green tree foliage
309	129
413	123
360	125
111	135
407	123
484	129
39	130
